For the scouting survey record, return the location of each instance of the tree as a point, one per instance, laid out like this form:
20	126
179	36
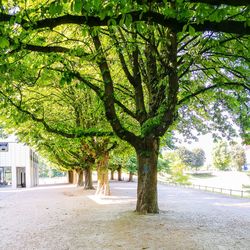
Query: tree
155	65
221	155
193	158
131	167
62	109
198	158
238	156
163	165
186	156
103	146
177	167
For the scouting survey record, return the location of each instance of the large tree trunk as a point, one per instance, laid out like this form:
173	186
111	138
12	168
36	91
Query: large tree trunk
112	174
147	157
71	176
119	171
88	182
130	177
103	176
74	177
79	177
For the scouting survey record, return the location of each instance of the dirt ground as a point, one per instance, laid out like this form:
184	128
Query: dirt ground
63	217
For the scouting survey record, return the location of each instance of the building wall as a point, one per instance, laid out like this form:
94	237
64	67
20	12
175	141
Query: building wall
22	160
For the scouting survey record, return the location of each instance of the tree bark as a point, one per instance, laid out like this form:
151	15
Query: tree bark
74	177
88	182
147	157
130	177
112	175
103	187
79	177
119	171
71	176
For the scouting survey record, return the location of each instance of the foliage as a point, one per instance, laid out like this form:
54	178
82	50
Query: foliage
238	156
3	134
154	66
221	155
194	158
177	167
199	157
186	156
163	165
131	165
120	155
47	171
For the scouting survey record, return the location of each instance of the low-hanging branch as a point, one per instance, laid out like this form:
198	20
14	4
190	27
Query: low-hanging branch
215	86
228	26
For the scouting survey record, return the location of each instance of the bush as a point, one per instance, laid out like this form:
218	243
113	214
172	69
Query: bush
177	168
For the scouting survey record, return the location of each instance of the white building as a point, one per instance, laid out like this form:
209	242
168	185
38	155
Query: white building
18	164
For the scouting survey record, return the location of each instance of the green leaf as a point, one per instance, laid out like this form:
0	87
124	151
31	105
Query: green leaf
78	5
55	8
4	43
128	20
191	30
111	22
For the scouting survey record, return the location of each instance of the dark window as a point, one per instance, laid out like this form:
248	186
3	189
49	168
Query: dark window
3	146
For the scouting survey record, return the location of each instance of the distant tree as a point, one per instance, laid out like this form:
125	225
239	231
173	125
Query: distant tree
221	155
185	155
238	156
119	158
131	167
177	167
198	157
163	165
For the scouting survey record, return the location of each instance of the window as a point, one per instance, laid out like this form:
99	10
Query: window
3	146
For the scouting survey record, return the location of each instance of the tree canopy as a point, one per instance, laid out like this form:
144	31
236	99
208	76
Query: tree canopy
154	65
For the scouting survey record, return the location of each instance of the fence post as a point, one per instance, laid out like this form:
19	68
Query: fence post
241	193
230	191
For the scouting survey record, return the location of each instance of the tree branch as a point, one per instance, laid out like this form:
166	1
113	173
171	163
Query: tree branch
109	99
218	85
233	27
73	134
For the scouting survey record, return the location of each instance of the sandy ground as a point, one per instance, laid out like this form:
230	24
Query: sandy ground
64	217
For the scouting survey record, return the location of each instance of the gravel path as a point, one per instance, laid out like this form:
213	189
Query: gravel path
64	217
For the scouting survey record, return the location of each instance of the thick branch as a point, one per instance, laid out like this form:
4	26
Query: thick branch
109	101
233	27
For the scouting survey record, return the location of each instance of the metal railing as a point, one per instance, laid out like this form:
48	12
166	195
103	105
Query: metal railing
231	192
